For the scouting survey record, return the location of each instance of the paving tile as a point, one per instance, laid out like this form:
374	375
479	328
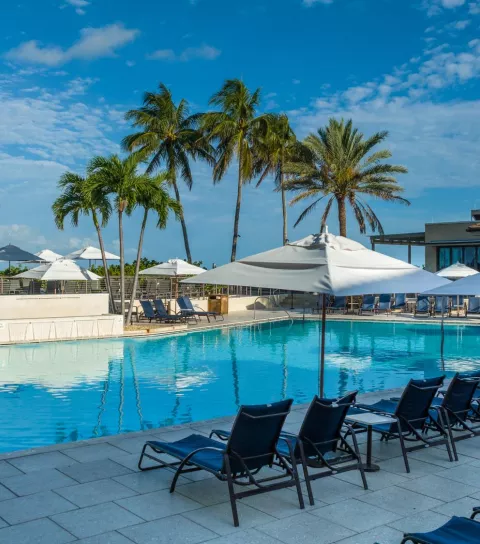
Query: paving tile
42	461
84	454
439	488
7	470
34	482
379	535
176	529
95	520
460	507
421	522
400	501
206	492
95	470
418	468
383	450
331	489
135	444
105	538
6	494
375	480
159	504
218	518
305	529
146	482
463	474
356	515
40	531
91	493
438	456
279	504
249	536
3	524
469	447
35	506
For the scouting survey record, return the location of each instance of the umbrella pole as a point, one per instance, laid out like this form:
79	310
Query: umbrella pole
321	370
442	329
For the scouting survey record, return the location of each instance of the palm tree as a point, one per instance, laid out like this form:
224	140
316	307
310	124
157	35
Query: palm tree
168	136
78	198
278	147
236	129
120	177
340	169
152	195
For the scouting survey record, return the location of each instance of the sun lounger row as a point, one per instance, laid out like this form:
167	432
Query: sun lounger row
156	311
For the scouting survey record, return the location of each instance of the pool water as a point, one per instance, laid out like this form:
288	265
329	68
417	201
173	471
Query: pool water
66	391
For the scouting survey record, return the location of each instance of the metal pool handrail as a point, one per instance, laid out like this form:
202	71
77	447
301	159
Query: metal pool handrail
268	298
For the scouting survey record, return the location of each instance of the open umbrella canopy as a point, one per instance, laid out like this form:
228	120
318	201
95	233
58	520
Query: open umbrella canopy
173	267
324	263
456	271
466	286
46	256
63	269
91	254
13	253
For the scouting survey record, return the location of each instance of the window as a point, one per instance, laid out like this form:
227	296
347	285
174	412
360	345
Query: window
468	255
444	257
457	255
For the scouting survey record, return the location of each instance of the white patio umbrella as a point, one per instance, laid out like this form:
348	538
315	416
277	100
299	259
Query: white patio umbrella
90	254
456	271
325	264
63	269
173	267
46	256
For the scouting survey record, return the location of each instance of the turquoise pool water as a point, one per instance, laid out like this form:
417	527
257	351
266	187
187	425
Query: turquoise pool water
66	391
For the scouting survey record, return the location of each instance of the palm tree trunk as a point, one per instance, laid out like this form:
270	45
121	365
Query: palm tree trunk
182	220
137	265
284	208
122	261
111	303
237	209
342	216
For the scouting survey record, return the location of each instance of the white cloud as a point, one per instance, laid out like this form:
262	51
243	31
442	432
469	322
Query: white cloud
93	43
474	7
79	5
461	25
296	81
310	3
435	7
20	234
204	52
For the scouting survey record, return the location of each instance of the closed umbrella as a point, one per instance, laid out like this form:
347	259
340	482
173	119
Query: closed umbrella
325	264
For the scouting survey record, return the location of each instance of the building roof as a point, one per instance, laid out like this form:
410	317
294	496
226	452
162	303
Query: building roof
403	239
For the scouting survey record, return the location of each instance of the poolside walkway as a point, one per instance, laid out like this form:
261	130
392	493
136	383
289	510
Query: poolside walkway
92	493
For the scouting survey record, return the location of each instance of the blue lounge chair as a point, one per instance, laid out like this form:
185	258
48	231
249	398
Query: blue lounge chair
455	531
319	443
368	304
148	311
422	306
187	309
162	313
400	302
436	308
384	303
411	414
473	306
338	305
251	446
458	304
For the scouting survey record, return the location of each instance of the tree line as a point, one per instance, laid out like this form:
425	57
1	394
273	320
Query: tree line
336	165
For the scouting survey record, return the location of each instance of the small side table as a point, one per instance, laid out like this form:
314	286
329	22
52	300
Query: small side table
368	419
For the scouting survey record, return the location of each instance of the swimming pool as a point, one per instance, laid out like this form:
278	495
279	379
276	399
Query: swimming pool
66	391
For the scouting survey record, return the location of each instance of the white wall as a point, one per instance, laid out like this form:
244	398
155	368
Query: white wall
46	306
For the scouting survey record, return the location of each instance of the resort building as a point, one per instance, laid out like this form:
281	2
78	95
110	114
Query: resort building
445	243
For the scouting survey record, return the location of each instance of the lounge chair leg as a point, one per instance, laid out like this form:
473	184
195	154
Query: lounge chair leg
445	424
305	474
297	481
177	474
231	492
141	458
404	451
360	464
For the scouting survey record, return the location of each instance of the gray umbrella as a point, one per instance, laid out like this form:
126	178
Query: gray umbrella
13	253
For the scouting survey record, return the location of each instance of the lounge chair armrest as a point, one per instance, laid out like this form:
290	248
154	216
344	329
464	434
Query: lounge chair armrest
223	435
475	512
286	436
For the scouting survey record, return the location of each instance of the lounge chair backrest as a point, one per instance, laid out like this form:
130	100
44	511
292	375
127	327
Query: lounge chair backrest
416	399
255	434
470	374
439	304
459	395
474	305
148	309
160	307
423	303
368	301
400	300
323	423
385	299
185	303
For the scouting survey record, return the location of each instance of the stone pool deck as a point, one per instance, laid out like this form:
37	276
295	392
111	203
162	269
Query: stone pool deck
91	492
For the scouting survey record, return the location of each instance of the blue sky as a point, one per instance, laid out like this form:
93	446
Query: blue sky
69	69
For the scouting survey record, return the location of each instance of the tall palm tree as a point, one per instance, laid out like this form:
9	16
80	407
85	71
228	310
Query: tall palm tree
168	137
78	198
236	129
152	195
278	147
340	169
120	177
